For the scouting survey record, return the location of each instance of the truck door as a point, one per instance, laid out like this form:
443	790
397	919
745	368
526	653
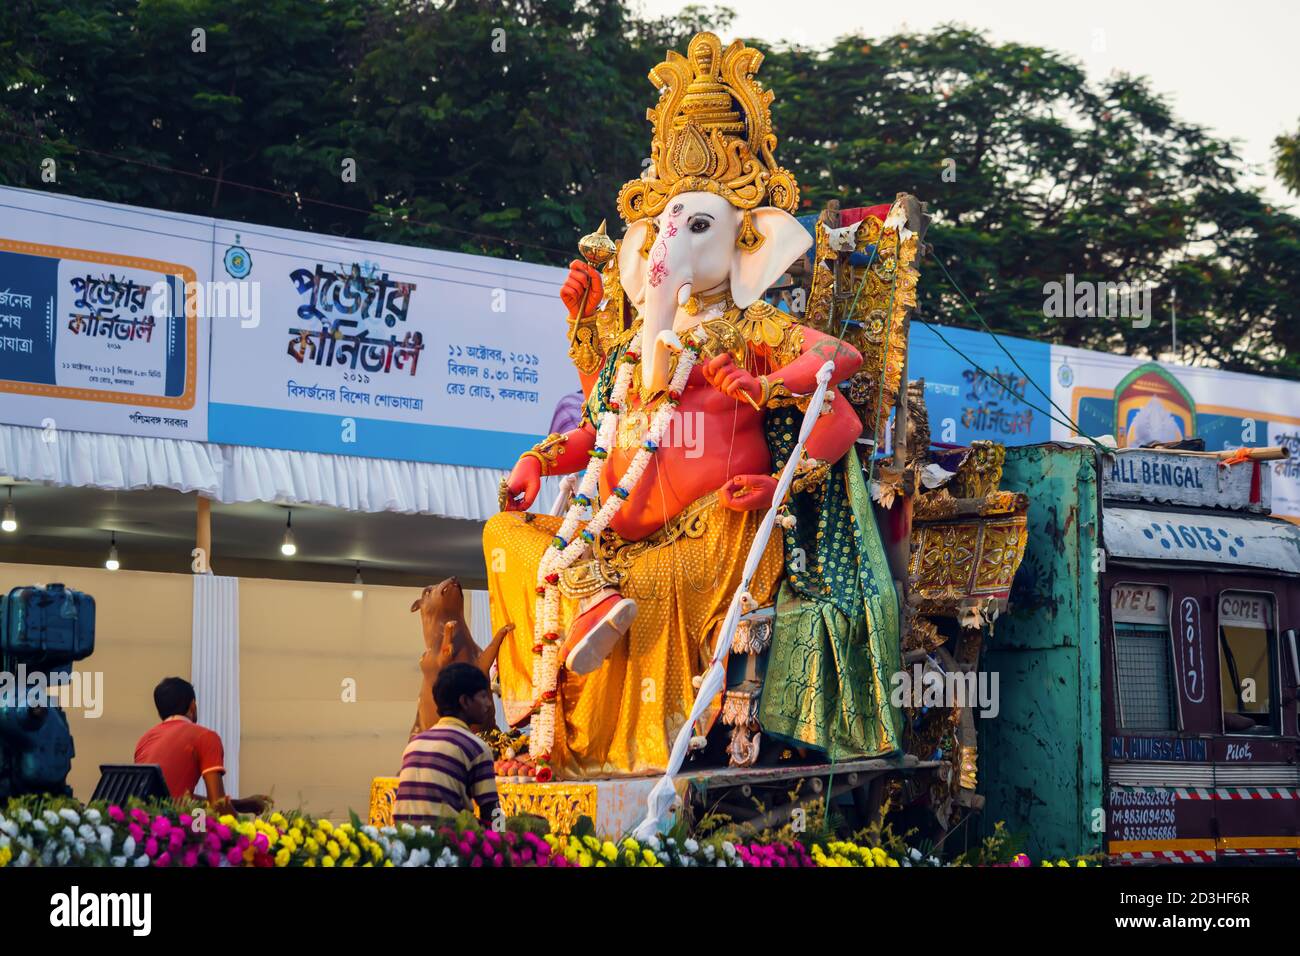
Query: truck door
1256	779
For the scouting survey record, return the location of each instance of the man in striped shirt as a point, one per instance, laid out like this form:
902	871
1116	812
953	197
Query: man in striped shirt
447	765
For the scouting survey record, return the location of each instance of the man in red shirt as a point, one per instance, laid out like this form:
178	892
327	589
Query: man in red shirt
185	751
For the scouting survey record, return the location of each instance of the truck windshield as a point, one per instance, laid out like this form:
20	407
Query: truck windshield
1247	662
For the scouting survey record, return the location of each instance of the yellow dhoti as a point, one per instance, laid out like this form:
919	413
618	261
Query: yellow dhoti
622	718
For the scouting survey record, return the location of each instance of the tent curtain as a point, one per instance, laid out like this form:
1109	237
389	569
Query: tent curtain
233	474
214	664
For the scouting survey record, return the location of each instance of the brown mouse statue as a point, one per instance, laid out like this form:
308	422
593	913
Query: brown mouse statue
447	640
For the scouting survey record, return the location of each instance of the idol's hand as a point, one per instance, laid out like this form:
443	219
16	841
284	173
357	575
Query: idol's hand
526	480
747	492
726	376
582	288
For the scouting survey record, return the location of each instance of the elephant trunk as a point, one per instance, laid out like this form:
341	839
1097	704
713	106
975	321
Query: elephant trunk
668	286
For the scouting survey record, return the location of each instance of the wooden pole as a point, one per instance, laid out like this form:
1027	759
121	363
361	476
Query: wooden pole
203	531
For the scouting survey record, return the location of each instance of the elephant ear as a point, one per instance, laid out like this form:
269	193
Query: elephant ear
784	240
632	266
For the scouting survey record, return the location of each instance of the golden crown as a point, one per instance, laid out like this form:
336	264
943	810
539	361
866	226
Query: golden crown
712	132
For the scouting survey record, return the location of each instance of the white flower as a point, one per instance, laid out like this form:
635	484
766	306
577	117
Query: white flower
63	856
39	826
24	816
24	859
106	838
70	815
119	861
128	847
397	852
142	859
67	834
728	848
914	853
721	863
50	817
653	843
8	826
709	852
691	846
663	857
93	816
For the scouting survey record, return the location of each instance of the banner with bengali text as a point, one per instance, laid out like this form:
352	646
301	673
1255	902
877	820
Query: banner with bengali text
386	351
96	330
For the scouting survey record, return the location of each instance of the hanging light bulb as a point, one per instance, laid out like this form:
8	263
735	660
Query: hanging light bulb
357	592
287	547
112	563
10	522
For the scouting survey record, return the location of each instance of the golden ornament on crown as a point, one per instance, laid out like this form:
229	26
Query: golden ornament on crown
712	133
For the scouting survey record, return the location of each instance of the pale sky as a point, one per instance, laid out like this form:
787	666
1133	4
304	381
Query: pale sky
1232	67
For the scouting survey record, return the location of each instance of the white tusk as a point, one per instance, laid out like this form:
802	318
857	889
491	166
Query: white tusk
683	294
668	338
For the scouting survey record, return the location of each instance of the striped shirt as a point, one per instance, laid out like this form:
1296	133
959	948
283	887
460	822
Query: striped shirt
442	769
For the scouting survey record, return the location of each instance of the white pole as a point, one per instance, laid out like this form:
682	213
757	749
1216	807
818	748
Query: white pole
661	797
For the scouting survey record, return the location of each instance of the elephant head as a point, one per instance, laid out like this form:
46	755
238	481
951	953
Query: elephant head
700	244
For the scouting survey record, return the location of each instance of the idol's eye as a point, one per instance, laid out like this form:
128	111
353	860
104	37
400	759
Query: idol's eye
700	223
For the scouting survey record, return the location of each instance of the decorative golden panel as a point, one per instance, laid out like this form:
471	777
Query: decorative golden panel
383	794
560	803
960	559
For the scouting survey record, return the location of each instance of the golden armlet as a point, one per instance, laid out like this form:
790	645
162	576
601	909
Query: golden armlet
547	451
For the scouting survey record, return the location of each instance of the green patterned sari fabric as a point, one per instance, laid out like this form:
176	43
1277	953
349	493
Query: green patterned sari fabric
836	642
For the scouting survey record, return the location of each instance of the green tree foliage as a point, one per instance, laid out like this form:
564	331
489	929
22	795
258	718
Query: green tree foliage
1286	156
506	127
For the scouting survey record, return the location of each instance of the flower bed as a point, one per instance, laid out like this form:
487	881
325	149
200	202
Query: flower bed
66	833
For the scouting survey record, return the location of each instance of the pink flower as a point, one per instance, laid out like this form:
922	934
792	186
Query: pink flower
161	826
213	841
136	831
139	816
498	860
213	858
469	836
234	856
477	861
222	831
191	858
115	814
151	847
175	839
186	821
261	842
164	859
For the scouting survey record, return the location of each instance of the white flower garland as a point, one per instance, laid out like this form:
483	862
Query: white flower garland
566	548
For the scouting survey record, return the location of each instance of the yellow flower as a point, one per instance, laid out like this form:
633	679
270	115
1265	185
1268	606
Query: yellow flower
333	849
227	819
282	858
327	861
6	855
584	859
325	825
649	857
388	863
296	833
312	846
354	852
609	851
309	862
277	818
376	852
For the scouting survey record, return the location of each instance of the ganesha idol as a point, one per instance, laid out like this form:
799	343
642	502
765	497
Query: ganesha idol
617	601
